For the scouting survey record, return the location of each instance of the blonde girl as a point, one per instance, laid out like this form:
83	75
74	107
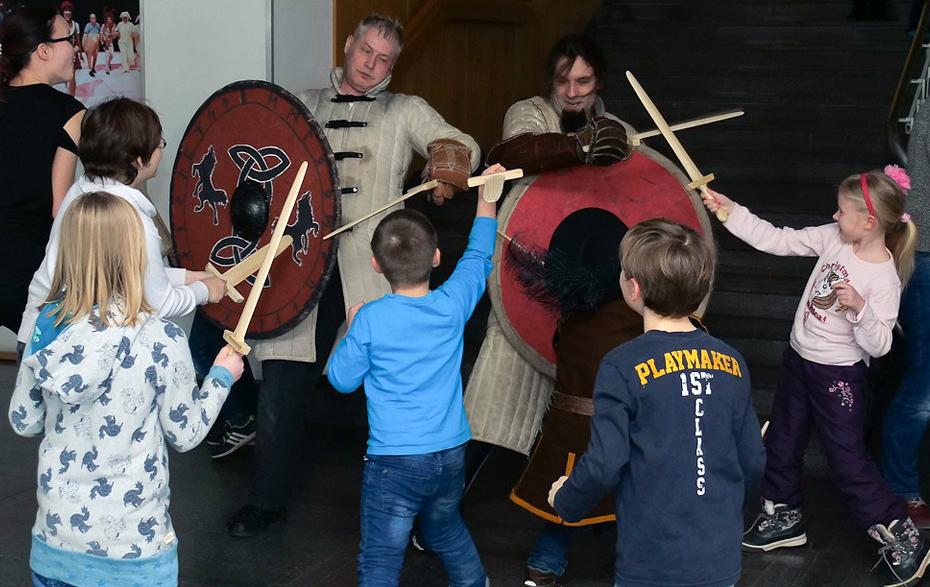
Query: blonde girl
108	383
846	315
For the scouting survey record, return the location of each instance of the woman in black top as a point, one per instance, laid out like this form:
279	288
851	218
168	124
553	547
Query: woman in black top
39	131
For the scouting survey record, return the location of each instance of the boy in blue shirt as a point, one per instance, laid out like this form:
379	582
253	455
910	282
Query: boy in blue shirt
674	435
407	349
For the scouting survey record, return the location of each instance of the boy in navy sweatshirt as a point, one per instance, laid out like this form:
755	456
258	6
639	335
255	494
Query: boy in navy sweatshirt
407	349
674	434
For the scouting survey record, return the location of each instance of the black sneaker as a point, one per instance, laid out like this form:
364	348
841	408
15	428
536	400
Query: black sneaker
776	526
904	550
234	438
250	520
537	578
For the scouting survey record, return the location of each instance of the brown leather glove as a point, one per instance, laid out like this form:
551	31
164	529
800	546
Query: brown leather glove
536	153
607	142
450	163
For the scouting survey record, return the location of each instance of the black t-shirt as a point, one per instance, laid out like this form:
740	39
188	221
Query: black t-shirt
32	120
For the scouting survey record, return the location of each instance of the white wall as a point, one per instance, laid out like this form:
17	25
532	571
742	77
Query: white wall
303	41
192	49
222	41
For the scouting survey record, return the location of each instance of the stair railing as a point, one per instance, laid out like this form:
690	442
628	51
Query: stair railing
913	88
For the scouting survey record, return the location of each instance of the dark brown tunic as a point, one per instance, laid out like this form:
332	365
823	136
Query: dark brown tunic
584	339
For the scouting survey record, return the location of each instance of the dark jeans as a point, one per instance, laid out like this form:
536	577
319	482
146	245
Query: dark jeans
428	487
833	398
909	414
549	554
280	414
205	342
40	581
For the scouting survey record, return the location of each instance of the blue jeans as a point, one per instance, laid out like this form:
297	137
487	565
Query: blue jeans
551	548
397	489
40	581
909	414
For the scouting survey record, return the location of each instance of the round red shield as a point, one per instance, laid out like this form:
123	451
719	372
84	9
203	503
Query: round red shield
255	135
645	186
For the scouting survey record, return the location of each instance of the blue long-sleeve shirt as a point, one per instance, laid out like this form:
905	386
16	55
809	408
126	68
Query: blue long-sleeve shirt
675	437
408	352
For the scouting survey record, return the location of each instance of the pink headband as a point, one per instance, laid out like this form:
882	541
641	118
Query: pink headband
864	181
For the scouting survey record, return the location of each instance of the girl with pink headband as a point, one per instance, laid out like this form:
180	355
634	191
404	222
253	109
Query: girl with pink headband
846	315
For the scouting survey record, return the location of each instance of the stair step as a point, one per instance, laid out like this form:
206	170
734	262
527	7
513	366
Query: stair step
734	282
726	326
811	36
833	62
800	12
738	304
758	352
737	88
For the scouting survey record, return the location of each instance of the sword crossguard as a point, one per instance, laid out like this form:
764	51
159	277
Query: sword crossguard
231	291
701	182
237	344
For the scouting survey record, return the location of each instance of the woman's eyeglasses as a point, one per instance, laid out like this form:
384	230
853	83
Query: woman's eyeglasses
69	39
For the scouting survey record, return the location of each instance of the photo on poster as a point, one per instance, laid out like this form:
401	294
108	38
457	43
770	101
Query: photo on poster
108	46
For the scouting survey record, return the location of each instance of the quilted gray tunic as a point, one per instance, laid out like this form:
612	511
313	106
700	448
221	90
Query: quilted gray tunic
506	397
395	126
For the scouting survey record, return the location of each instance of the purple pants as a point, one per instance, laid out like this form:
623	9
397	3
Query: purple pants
833	397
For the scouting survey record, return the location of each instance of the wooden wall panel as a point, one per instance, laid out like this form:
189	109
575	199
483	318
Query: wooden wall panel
471	59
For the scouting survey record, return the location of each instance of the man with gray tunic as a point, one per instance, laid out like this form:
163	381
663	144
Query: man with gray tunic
374	135
507	397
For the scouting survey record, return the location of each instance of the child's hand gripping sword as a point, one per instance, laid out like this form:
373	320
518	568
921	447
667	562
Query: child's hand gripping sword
242	270
494	183
698	180
236	340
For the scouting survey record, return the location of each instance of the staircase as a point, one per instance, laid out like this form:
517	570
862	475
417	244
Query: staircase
815	88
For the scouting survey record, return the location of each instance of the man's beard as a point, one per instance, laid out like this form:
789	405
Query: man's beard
573	121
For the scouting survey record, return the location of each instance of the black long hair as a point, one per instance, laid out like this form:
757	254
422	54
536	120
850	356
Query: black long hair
22	31
572	47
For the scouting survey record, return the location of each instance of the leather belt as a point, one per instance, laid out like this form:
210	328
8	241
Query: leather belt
573	404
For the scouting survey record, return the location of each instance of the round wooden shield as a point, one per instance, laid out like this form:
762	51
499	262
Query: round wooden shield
255	134
645	186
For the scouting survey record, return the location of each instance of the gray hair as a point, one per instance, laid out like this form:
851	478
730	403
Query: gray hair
388	27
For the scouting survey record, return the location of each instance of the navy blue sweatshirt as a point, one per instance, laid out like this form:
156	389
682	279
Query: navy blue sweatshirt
675	437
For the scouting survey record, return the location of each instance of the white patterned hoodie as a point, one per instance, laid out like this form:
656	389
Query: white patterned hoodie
106	399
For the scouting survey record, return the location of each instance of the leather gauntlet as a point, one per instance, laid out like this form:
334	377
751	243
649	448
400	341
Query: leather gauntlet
536	153
450	163
607	142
